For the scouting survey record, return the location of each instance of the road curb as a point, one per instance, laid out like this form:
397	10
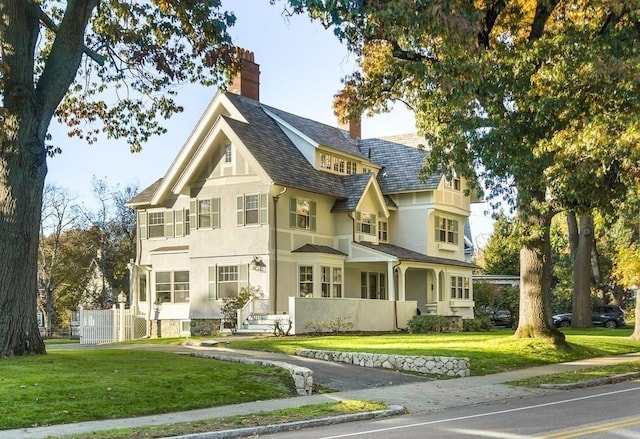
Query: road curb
592	383
297	425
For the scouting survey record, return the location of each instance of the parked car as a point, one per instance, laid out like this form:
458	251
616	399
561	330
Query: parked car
608	316
501	317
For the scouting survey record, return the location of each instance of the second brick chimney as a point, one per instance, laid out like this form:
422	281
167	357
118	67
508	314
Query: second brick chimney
247	82
354	127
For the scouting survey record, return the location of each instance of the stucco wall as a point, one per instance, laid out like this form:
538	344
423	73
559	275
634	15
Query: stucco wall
365	315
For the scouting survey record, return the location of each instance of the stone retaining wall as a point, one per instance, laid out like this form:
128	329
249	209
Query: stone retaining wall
302	377
449	366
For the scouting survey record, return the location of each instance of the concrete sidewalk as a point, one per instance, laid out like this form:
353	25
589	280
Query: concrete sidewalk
415	397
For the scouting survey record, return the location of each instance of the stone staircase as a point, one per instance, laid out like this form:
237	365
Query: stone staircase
263	324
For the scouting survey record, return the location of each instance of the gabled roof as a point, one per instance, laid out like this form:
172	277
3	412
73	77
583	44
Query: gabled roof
401	163
323	134
260	130
404	254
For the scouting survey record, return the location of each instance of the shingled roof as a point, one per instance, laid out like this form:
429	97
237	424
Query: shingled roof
401	164
285	164
404	254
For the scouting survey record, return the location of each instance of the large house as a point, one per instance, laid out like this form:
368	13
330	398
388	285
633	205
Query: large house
321	223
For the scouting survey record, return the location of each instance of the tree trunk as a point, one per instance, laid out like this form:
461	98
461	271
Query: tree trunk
581	305
535	282
22	173
636	329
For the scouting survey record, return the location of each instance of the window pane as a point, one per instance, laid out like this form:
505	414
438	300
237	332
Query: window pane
204	213
252	209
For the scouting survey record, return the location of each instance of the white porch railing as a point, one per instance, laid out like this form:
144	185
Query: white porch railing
251	308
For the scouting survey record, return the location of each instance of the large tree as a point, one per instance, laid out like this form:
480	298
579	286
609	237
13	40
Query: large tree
538	97
60	59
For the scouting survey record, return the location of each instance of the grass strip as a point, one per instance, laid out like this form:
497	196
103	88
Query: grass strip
579	376
303	413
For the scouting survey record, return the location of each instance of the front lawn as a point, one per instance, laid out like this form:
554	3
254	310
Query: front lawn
489	352
80	385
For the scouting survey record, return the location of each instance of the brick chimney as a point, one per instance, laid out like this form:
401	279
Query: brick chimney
354	127
247	82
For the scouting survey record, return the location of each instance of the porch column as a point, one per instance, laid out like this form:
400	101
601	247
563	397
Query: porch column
391	286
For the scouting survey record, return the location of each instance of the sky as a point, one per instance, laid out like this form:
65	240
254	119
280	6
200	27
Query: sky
301	67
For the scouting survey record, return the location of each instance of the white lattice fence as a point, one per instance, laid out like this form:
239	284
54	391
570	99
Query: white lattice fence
103	326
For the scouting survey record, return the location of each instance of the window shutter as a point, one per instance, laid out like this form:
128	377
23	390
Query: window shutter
293	205
187	221
312	215
358	222
213	271
240	210
243	277
374	223
168	223
178	215
193	215
142	224
436	228
264	205
215	213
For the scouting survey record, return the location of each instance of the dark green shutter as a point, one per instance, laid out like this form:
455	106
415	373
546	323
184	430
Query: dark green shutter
374	224
142	223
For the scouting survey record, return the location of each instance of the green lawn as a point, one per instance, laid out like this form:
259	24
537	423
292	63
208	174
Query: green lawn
79	385
489	352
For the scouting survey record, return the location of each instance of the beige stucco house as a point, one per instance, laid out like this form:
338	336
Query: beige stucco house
323	223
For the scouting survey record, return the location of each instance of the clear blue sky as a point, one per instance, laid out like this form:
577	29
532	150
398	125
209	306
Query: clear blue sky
301	66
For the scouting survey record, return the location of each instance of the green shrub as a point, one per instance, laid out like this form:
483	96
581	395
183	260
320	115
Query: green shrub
231	305
422	324
477	324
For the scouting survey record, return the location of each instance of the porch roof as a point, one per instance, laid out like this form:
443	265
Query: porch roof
404	254
316	248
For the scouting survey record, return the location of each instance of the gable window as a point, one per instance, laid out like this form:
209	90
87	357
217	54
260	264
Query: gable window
251	209
446	230
302	214
460	287
452	184
156	224
305	281
366	223
172	286
383	231
228	154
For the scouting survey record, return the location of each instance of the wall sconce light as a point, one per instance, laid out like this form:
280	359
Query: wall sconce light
257	263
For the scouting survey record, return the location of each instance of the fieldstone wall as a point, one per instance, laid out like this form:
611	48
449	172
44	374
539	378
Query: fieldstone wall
302	377
449	366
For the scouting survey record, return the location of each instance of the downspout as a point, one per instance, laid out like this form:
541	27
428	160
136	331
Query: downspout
275	249
395	298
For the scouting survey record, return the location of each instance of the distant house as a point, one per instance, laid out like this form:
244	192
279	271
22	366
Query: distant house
322	223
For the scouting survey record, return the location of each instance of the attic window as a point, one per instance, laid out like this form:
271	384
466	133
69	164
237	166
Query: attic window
228	156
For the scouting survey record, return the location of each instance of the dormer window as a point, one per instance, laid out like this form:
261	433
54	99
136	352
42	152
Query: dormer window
452	184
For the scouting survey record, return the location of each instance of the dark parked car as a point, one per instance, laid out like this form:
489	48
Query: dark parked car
608	316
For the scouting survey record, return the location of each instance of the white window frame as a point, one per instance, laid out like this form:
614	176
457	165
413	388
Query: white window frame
155	224
383	230
305	280
176	291
228	154
251	207
460	287
446	230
